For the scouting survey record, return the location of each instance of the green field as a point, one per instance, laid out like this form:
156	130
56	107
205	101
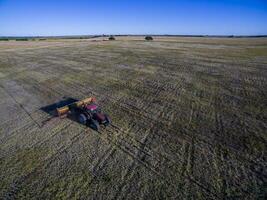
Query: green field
189	119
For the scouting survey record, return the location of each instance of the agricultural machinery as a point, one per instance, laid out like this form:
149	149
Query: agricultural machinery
87	112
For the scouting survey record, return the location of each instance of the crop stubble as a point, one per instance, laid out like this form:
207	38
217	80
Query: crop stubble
189	119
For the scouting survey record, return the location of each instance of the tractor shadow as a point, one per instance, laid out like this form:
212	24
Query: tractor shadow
52	110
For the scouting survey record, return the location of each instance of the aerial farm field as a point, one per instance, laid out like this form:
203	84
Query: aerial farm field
189	119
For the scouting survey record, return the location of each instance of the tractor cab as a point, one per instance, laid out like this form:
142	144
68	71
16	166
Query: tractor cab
93	108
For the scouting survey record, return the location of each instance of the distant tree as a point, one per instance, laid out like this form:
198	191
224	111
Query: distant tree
4	39
111	37
149	38
22	39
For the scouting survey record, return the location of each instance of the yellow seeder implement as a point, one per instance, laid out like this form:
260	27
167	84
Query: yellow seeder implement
66	109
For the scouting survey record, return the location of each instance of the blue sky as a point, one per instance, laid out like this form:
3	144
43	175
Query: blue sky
79	17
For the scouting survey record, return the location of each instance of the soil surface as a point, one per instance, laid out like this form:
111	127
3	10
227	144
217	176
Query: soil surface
189	119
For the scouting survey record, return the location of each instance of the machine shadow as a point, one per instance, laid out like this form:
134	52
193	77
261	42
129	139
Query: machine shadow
52	109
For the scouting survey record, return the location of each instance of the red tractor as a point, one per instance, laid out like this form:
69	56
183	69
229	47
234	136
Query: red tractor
93	116
87	113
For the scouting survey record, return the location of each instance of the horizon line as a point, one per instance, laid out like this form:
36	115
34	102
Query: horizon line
106	35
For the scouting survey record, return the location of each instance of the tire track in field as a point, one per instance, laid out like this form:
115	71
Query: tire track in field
130	171
15	186
189	171
125	150
192	150
12	119
192	156
54	133
201	139
223	154
126	178
24	122
21	106
142	161
220	130
28	127
102	161
186	137
119	100
100	164
253	170
13	133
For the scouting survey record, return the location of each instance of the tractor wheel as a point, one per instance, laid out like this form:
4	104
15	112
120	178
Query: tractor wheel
82	119
94	125
108	120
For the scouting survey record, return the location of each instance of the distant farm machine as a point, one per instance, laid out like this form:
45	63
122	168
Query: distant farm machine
87	112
